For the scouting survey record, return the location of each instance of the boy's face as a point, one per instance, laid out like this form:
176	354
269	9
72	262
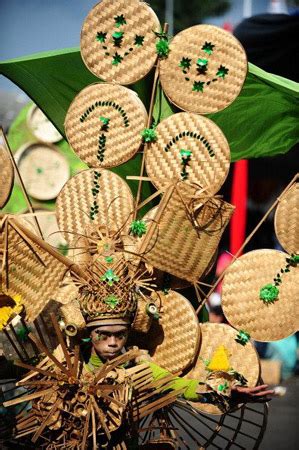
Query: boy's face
108	340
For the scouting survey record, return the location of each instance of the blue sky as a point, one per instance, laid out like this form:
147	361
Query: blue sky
30	26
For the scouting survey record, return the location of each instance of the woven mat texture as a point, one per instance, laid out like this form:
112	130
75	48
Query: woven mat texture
216	95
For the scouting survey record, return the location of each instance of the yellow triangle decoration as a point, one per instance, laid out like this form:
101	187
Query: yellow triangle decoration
219	360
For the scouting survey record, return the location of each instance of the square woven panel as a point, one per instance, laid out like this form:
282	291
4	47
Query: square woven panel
174	244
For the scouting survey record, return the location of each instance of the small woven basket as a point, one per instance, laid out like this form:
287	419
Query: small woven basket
180	241
286	220
205	69
243	359
41	126
6	176
209	158
118	40
103	124
241	301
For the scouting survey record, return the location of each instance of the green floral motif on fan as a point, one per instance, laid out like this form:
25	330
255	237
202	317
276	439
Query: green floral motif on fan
202	69
101	37
105	121
198	86
269	293
109	277
162	48
138	228
208	48
138	40
117	59
185	159
222	72
111	301
149	135
242	337
120	20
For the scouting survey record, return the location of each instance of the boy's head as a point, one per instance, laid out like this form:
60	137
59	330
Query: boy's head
109	337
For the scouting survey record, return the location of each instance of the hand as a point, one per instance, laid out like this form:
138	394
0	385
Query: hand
258	394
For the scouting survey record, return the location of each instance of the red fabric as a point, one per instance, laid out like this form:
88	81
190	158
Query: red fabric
239	200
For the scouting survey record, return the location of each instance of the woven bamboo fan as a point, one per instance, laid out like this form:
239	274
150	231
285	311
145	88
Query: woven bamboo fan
118	40
43	168
183	239
205	69
286	220
174	339
243	359
93	198
189	148
103	124
6	177
28	269
249	280
41	126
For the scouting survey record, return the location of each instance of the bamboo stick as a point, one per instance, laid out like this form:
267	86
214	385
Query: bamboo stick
28	397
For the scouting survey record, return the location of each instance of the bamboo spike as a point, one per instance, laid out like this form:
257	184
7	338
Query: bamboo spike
32	430
46	373
39	331
13	344
28	397
161	402
76	360
18	340
34	347
45	421
40	365
101	418
43	349
108	366
94	429
86	427
149	121
112	399
62	343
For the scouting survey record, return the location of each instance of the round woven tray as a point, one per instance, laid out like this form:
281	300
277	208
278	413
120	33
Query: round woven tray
243	359
75	202
200	87
210	157
174	340
286	220
100	144
125	60
43	168
41	126
6	177
241	291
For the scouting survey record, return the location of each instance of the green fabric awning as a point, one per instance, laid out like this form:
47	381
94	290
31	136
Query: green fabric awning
262	121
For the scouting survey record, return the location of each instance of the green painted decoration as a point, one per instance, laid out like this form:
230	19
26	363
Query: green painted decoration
109	277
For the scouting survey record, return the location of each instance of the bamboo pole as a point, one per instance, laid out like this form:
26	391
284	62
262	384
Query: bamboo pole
149	122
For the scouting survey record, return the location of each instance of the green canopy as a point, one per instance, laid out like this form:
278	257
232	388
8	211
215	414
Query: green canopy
262	121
